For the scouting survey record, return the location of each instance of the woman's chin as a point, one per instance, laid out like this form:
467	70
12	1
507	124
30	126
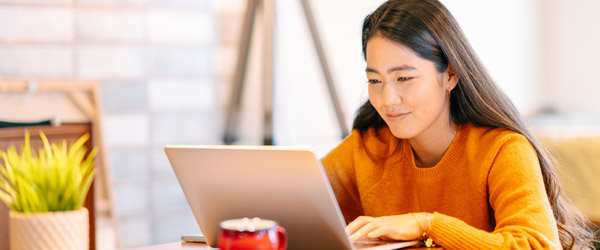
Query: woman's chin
403	131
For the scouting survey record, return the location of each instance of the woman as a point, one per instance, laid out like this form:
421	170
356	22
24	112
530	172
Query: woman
438	152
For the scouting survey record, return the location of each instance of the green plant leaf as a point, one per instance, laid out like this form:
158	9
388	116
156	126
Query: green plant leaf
6	199
4	187
55	178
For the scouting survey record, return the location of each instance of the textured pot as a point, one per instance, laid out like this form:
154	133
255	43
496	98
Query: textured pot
48	231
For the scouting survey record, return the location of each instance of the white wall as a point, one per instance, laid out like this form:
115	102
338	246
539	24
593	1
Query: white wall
506	36
572	55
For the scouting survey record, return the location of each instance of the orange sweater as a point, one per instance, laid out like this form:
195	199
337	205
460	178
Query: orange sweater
486	192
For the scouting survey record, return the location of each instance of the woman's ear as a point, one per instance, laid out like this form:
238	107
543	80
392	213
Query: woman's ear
452	78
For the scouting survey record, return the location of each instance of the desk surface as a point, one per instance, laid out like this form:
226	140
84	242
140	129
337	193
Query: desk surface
175	246
188	246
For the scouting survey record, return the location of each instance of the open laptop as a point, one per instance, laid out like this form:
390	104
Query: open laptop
284	184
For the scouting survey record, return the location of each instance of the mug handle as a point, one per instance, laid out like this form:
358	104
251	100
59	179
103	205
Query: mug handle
282	238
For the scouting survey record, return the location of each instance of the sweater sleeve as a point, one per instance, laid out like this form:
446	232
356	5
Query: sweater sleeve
522	212
339	166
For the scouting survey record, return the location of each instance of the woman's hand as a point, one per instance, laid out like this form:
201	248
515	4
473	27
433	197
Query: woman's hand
397	227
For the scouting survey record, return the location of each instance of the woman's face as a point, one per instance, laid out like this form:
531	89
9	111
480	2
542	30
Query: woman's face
406	90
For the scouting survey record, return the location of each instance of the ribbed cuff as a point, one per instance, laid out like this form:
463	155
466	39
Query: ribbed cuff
452	233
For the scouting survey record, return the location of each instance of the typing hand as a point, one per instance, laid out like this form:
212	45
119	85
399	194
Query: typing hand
396	227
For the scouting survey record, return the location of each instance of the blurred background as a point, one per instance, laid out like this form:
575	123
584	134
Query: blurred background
164	70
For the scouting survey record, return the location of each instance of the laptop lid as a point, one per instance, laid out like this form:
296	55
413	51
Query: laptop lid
284	184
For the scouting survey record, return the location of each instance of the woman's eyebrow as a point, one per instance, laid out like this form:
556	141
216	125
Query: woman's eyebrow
397	68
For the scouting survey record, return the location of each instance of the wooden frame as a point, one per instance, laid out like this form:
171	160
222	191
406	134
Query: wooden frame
84	97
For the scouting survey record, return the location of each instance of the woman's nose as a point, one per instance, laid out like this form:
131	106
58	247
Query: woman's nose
391	95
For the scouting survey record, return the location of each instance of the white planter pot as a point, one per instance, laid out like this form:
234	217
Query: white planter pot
48	231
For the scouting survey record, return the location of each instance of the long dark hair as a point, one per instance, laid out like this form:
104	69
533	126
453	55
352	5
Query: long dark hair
429	29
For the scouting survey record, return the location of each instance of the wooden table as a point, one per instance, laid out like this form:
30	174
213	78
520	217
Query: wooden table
187	246
175	246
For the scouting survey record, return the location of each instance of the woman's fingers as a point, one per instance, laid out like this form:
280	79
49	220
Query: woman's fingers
358	223
378	233
364	230
397	227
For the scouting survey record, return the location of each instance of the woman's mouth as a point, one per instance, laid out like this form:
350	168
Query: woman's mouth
396	115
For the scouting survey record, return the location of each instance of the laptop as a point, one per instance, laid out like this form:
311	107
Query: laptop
284	184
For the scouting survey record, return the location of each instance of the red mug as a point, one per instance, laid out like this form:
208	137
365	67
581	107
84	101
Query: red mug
252	234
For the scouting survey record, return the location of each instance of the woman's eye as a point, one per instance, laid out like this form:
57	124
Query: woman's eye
404	79
373	81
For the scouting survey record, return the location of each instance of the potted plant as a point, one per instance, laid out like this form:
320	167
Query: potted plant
45	192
